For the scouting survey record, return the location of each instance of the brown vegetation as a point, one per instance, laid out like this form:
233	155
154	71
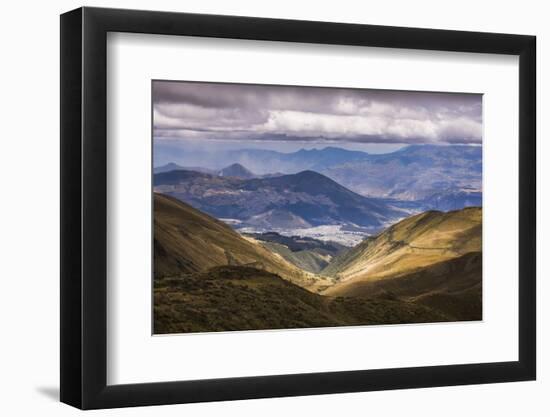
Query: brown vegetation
242	298
426	268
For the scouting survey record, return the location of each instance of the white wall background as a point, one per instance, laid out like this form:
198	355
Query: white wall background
29	237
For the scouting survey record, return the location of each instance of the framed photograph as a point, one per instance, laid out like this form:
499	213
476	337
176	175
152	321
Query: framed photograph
256	208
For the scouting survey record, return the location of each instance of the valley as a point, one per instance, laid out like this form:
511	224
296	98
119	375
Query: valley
188	241
210	277
305	252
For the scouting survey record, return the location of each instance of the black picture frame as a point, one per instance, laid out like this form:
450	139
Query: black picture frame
84	207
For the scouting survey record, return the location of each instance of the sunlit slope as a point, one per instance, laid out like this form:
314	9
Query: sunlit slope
406	247
189	241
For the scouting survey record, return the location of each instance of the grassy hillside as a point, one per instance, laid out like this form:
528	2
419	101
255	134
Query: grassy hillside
416	242
433	259
189	241
243	298
452	286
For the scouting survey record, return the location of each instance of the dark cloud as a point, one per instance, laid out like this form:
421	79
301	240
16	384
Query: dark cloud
255	112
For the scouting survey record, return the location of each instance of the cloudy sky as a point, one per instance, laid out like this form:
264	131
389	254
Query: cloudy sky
191	112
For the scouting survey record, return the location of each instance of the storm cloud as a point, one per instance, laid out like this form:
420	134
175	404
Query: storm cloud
216	111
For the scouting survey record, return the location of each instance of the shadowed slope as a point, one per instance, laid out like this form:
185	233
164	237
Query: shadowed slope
242	298
451	286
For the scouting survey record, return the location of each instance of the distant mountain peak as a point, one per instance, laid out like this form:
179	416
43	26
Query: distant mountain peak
314	178
310	173
327	150
235	165
172	166
236	170
342	150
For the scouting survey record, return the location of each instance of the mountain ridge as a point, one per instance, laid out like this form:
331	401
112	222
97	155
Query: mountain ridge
412	173
236	170
403	248
189	241
307	195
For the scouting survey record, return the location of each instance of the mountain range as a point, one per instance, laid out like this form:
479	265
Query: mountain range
251	244
415	172
431	174
294	201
